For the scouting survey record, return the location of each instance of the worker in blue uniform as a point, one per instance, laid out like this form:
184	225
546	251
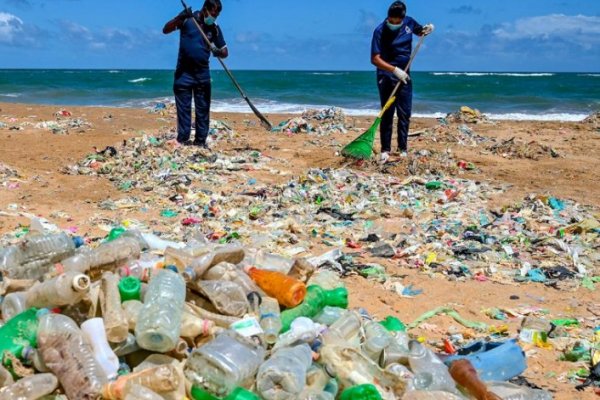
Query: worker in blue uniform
192	75
390	53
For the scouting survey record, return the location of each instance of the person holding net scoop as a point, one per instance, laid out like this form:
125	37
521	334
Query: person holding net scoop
391	50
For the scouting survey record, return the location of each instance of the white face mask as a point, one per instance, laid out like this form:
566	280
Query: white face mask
394	27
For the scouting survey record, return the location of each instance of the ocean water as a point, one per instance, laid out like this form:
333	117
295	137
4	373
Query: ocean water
526	96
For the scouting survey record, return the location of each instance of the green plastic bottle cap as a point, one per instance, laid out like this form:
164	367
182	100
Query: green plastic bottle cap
393	324
242	394
362	392
199	394
130	288
115	233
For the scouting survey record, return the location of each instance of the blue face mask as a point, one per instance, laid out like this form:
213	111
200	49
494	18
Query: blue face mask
394	27
210	20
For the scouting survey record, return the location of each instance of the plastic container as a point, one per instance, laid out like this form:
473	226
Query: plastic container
329	315
227	297
13	304
115	320
270	319
19	332
106	257
68	355
283	376
160	379
430	372
36	255
159	322
289	292
377	338
495	361
30	388
315	300
66	289
228	361
94	331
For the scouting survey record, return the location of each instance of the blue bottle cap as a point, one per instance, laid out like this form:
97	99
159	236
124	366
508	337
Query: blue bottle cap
172	268
78	241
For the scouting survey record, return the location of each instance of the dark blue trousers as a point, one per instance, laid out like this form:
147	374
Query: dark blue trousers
402	107
185	88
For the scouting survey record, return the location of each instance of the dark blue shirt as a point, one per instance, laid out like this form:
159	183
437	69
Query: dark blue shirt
194	53
395	47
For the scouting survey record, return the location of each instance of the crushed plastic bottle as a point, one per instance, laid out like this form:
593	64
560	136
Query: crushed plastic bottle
227	297
315	300
160	379
113	315
30	388
106	257
283	376
69	356
430	372
270	319
159	322
66	289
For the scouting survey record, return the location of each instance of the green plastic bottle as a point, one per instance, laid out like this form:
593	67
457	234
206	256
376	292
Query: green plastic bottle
316	299
237	394
130	288
362	392
19	332
433	185
115	233
393	324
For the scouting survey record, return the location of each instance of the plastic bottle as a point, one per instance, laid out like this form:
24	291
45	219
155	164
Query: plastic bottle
132	309
95	333
6	377
228	361
67	354
36	255
162	378
314	302
113	315
227	297
509	391
377	338
139	392
463	373
430	372
397	351
159	323
228	272
231	253
345	331
106	257
30	388
193	326
19	332
126	347
270	319
13	304
157	243
8	285
66	289
326	279
143	268
289	292
283	376
303	330
272	262
329	315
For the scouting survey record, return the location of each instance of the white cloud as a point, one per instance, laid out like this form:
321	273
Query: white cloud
583	29
10	27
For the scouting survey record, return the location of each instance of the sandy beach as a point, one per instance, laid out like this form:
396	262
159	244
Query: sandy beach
546	158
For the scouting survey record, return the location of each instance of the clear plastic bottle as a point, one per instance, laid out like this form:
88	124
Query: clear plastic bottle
329	315
228	361
114	317
139	392
66	289
30	388
227	297
193	326
272	262
159	323
302	330
13	304
345	331
509	391
228	272
142	268
231	253
95	333
162	378
106	257
6	377
36	255
377	338
126	347
270	319
68	355
283	376
132	309
430	372
326	279
397	351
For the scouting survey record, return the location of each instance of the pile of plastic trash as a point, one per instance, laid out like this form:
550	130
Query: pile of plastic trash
8	175
139	317
467	115
514	148
593	119
323	122
461	135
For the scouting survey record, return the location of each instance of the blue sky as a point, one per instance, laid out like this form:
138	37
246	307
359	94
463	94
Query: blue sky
484	35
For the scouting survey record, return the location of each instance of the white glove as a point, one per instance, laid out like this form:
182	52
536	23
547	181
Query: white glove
401	75
428	29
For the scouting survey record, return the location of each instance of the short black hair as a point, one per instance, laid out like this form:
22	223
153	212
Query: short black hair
397	10
213	5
